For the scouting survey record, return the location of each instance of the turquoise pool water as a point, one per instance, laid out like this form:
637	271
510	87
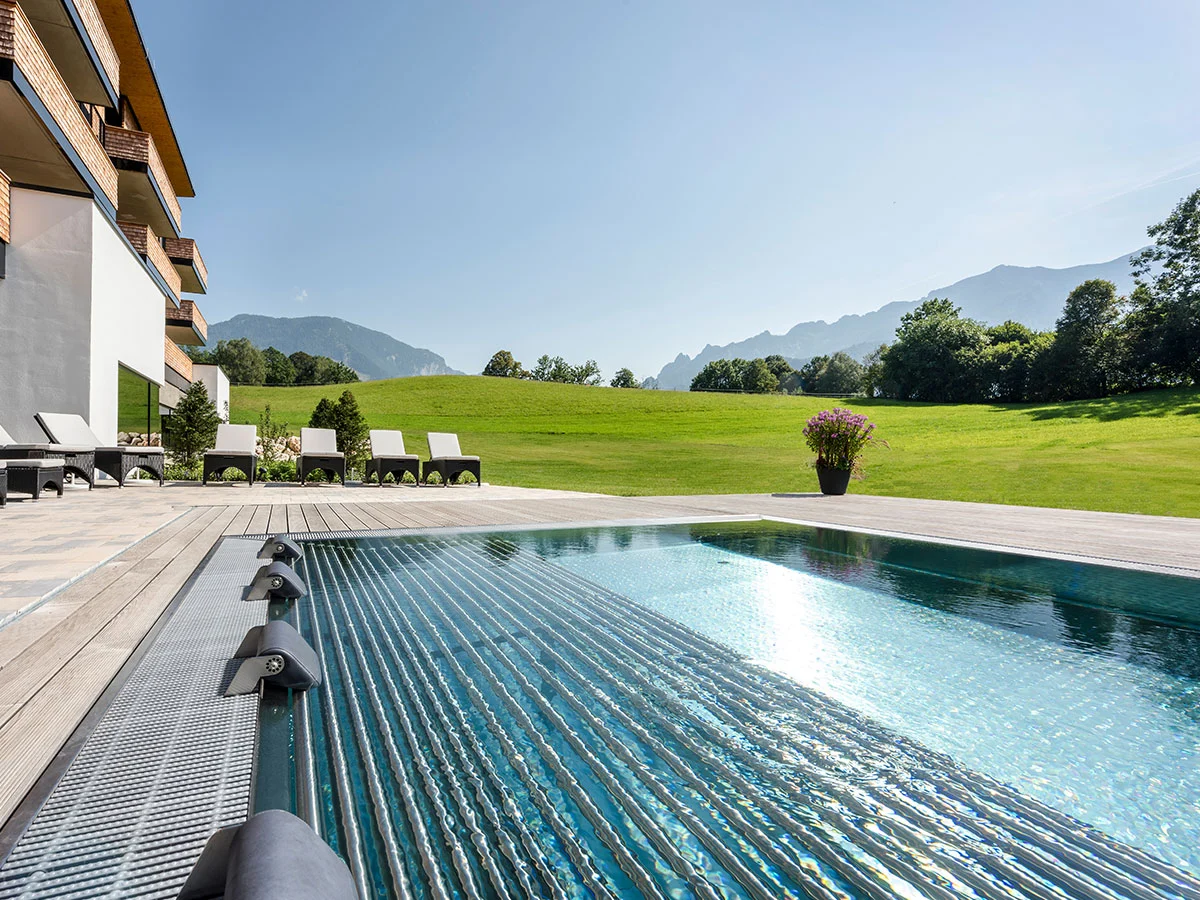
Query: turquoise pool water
750	710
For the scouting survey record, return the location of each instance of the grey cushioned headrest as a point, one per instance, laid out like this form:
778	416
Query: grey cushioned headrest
302	668
275	856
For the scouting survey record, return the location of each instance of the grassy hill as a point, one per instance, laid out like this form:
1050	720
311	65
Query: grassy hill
1127	454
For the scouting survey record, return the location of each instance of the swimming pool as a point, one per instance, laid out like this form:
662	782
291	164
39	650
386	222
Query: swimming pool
747	710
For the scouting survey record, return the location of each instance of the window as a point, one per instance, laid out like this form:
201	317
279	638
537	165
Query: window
138	420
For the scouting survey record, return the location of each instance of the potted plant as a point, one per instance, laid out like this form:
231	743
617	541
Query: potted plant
838	437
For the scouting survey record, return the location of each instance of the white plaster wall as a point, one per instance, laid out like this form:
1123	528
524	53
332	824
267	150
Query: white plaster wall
128	323
216	382
45	310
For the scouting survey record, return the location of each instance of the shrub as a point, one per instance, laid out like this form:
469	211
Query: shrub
192	428
278	470
839	438
270	433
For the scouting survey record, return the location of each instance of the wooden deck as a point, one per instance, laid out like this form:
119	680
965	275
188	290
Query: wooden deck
84	578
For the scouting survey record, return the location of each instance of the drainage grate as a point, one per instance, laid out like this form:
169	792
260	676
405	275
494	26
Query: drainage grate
169	762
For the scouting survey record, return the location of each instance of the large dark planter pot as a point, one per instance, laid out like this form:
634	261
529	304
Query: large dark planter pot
833	481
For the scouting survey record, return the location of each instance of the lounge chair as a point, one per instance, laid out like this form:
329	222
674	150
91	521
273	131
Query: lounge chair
30	476
79	460
236	449
388	457
446	458
71	430
319	453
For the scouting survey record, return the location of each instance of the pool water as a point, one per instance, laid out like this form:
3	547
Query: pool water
749	710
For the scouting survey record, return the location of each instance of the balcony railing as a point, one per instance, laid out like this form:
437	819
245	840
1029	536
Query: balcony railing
146	193
147	244
186	325
176	359
31	74
184	253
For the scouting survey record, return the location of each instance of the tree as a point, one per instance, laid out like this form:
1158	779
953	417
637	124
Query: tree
937	355
340	373
1086	341
555	368
779	366
503	365
192	427
757	378
840	373
305	365
1166	305
352	431
718	375
588	373
279	368
324	415
241	360
624	379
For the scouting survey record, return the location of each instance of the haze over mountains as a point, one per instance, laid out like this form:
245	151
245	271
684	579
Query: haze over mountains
1031	295
372	354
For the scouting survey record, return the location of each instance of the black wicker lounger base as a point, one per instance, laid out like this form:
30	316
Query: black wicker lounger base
118	462
3	487
81	463
307	463
216	463
382	466
450	467
34	477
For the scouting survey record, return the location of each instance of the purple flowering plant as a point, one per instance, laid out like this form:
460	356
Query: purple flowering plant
838	437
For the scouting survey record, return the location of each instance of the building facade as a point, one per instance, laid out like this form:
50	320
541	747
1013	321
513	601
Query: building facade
94	265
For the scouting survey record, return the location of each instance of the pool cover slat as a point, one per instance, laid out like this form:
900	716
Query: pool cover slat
499	726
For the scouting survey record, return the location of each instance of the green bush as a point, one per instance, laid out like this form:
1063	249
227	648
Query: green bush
277	470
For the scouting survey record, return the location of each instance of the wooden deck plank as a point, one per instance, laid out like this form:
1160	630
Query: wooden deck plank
260	521
333	518
316	521
240	520
31	737
277	522
38	662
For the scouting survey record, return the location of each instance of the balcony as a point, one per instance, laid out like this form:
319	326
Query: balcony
185	324
146	194
177	361
45	142
74	35
149	247
185	256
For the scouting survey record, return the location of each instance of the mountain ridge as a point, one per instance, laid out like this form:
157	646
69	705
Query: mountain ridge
372	354
1033	295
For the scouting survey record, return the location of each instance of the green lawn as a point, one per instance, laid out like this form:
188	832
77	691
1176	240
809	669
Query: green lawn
1128	454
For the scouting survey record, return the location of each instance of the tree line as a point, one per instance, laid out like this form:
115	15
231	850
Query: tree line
556	369
1102	343
245	363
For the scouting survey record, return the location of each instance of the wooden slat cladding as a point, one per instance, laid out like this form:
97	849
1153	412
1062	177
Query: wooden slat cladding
20	44
185	250
138	146
146	242
176	359
94	23
5	208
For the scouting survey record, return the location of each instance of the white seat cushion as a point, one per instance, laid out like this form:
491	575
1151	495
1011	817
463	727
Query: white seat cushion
386	443
443	445
35	463
236	439
68	428
318	442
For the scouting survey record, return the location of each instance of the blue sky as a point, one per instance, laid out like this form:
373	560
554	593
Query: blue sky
627	180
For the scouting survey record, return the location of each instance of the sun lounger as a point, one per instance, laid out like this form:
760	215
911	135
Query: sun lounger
388	457
71	430
3	483
31	476
78	460
446	458
236	449
319	453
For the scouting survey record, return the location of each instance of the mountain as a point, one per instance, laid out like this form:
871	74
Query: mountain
1032	295
372	354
